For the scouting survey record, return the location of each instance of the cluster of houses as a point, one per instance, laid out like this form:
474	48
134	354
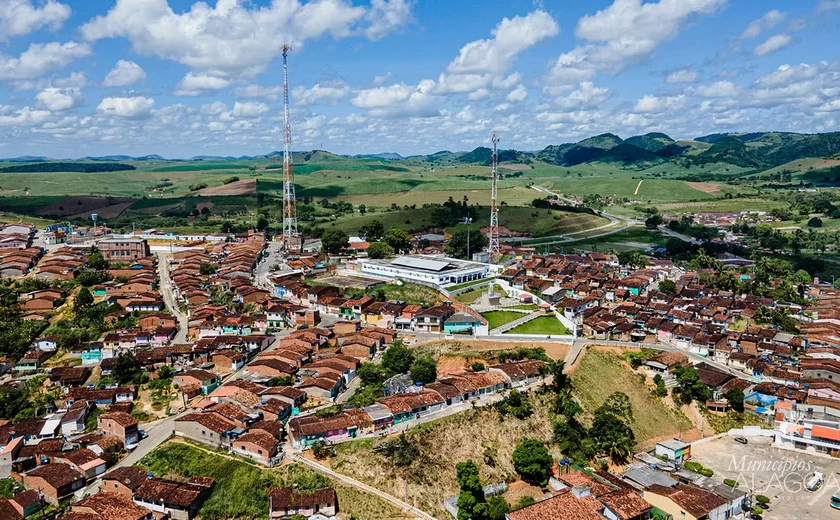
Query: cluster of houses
17	255
405	401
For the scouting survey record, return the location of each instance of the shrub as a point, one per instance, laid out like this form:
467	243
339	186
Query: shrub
761	499
731	483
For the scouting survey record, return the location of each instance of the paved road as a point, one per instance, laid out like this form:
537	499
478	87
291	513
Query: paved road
261	272
684	238
169	297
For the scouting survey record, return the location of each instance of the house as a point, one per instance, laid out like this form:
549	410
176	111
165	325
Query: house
665	362
209	428
124	481
82	460
674	449
56	481
111	506
687	502
284	503
258	445
433	319
591	500
463	323
121	425
23	505
180	500
207	381
521	373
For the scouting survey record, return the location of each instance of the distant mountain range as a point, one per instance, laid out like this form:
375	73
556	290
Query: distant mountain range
757	150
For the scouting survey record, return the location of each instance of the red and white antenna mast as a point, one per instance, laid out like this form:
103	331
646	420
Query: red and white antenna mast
290	229
495	248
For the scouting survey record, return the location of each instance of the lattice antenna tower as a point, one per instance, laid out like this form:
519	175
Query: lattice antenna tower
290	229
495	248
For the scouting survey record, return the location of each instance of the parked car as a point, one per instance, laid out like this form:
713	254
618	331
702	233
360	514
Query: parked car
741	440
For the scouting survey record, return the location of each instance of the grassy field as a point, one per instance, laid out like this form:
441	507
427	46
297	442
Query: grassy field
629	239
499	318
431	476
541	325
601	373
241	489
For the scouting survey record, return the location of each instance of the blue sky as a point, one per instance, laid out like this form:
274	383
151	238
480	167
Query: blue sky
183	78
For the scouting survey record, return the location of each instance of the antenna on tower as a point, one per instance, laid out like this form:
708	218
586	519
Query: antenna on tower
495	248
291	239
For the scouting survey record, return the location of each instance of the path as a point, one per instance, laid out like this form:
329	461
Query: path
515	323
364	487
169	297
637	188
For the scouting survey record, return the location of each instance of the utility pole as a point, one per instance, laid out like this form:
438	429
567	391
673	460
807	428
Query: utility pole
290	229
468	222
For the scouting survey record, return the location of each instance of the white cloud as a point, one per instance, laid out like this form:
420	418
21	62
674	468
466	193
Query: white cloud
765	23
466	115
587	95
386	15
193	84
58	99
510	37
41	58
215	108
718	89
828	5
26	116
501	107
399	100
478	94
135	107
621	35
652	104
258	91
380	80
682	76
249	109
330	92
21	17
508	82
518	94
123	74
773	44
787	74
234	37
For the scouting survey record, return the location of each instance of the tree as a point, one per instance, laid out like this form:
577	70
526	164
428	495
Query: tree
127	369
668	287
334	241
97	261
362	209
374	231
524	500
653	222
457	245
371	374
397	359
280	381
379	250
165	372
83	300
477	366
815	222
471	501
612	434
735	396
497	508
262	223
424	370
399	240
689	387
660	391
532	461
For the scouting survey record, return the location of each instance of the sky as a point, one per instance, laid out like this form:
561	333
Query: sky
182	78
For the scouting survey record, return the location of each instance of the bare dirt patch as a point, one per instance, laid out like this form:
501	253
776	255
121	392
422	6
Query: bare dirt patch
112	211
242	187
705	187
107	207
826	163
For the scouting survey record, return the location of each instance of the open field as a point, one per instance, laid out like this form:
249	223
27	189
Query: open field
543	325
240	187
488	349
431	476
241	489
518	196
499	318
601	373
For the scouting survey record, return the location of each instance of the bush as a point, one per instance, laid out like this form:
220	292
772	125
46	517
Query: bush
322	450
478	366
401	451
199	186
230	180
698	468
731	483
761	499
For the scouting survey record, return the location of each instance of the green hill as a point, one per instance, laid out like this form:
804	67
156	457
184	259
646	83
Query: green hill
729	150
652	142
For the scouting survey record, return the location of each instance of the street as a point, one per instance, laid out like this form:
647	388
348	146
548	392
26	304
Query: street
169	297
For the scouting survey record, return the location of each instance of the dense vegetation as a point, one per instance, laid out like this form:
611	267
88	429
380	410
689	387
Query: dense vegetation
74	167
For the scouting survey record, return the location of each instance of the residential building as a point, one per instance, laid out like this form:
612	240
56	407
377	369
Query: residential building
284	503
123	249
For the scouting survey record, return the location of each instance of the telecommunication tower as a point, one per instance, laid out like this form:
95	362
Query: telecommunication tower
291	239
495	248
